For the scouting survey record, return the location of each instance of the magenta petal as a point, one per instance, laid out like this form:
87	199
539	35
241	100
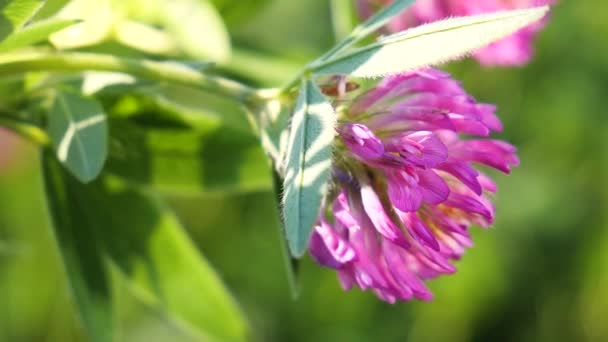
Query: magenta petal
464	173
339	248
423	148
434	189
419	230
361	141
469	204
403	191
321	254
376	213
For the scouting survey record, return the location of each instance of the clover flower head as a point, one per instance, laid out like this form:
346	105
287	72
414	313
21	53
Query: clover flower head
405	187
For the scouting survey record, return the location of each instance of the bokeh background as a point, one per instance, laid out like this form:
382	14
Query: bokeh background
539	274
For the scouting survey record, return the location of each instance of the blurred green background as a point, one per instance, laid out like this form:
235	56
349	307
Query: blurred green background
540	274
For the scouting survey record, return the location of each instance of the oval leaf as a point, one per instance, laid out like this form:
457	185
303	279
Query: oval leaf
308	165
430	44
79	133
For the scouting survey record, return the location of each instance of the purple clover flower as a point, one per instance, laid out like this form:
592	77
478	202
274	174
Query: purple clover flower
406	191
513	50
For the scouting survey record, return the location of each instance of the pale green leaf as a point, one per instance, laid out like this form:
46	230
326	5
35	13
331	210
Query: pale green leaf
15	13
145	37
430	44
198	29
34	33
50	8
79	133
274	120
308	165
107	230
97	24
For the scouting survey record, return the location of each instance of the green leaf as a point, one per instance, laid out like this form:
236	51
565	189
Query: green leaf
50	8
182	160
236	13
97	24
35	33
274	123
309	155
197	28
15	13
108	228
429	44
79	133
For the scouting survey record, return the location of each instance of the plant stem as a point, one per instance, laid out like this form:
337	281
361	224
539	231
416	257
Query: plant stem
157	71
25	129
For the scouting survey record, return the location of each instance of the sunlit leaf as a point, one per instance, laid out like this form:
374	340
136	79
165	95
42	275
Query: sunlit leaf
50	8
109	227
97	20
197	28
15	13
309	155
34	33
430	44
181	160
274	120
144	37
79	133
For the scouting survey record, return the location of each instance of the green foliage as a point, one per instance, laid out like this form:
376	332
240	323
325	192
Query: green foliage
198	29
182	160
79	133
308	165
35	33
116	240
15	13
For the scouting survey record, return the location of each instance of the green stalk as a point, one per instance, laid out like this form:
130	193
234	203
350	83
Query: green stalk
152	70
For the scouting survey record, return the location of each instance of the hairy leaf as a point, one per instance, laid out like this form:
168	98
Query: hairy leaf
308	165
79	133
430	44
107	228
